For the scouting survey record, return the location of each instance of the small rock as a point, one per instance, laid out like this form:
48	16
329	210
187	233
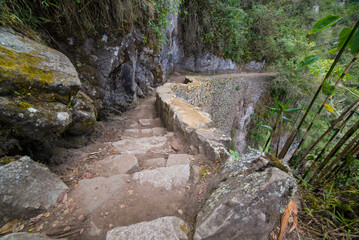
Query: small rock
81	218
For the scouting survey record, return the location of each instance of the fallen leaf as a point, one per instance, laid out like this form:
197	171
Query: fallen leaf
81	218
36	219
38	228
122	206
200	192
180	211
291	209
65	198
47	214
61	197
273	235
31	229
10	226
130	192
82	231
18	228
67	228
55	223
86	175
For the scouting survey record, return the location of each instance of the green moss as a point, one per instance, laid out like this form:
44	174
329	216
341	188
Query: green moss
6	160
275	162
24	105
22	67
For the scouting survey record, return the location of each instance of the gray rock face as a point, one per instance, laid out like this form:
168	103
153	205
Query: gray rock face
206	63
255	66
166	228
246	199
38	96
27	188
27	236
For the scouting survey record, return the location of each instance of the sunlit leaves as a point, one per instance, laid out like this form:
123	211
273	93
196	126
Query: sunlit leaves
325	22
308	60
329	108
355	43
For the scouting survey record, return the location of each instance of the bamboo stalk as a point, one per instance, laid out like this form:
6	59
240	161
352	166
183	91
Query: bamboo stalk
349	133
323	104
291	139
352	152
341	117
271	134
342	155
279	133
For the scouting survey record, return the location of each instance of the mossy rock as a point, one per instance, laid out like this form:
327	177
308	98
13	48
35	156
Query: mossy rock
26	64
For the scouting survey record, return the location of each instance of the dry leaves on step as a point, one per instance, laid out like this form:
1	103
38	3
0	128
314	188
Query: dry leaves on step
36	219
289	211
10	226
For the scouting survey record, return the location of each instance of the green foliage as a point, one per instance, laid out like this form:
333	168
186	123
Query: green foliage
54	19
218	26
234	154
325	22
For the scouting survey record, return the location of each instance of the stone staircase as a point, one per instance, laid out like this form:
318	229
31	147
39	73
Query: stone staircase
152	181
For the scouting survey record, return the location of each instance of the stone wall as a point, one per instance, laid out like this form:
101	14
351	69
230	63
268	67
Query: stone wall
245	198
230	99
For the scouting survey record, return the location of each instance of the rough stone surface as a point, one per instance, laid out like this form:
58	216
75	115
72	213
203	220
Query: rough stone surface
117	164
154	163
131	145
39	98
255	66
246	199
166	228
50	69
206	63
91	193
27	188
167	178
27	236
230	99
178	159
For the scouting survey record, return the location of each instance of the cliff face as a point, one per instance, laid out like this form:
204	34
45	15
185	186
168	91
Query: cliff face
98	76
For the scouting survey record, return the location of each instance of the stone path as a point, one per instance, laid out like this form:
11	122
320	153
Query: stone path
135	173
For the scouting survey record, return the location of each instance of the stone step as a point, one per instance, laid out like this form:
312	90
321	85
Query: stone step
178	159
92	193
146	111
116	164
146	132
165	228
141	145
154	163
147	123
166	177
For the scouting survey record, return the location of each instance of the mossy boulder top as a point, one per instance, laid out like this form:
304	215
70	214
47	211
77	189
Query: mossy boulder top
25	63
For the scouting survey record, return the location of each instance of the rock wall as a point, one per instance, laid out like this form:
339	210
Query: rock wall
230	99
246	197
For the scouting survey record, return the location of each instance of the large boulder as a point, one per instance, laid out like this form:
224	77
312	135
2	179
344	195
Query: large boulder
27	188
247	197
38	95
